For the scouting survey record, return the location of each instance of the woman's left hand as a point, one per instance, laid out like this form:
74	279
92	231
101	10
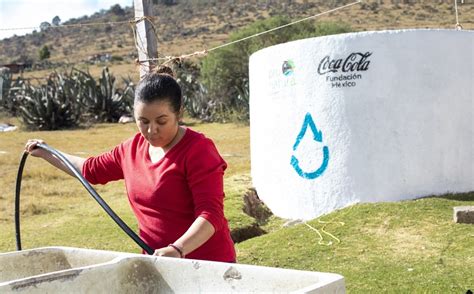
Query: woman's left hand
167	251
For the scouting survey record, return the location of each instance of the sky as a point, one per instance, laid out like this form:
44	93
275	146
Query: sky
30	13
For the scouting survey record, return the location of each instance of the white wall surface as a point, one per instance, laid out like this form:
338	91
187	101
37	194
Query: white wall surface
392	110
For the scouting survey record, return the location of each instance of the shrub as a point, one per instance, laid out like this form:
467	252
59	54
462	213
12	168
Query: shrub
44	53
116	58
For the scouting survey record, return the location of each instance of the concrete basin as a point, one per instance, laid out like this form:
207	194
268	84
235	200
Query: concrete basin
27	263
76	270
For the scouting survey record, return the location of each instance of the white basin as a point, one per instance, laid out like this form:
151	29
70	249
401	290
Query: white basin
74	270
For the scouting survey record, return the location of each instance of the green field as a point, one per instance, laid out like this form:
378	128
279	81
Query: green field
403	247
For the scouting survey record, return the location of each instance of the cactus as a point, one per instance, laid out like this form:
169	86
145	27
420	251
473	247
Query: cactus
5	85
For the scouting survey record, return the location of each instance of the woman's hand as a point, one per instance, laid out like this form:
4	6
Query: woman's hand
31	148
167	251
76	161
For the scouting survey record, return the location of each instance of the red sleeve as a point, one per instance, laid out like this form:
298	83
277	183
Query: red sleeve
103	168
205	175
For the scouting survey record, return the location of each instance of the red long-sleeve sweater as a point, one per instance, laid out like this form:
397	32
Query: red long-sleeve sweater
167	196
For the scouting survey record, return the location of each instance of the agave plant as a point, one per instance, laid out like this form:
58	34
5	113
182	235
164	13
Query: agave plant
5	81
242	100
67	99
50	106
103	102
195	99
231	104
7	101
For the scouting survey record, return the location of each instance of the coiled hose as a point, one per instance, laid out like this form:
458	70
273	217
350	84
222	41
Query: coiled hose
86	185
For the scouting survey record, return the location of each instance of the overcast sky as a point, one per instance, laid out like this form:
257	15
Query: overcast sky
30	13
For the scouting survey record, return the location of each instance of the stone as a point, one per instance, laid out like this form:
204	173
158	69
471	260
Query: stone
292	222
124	119
7	127
464	214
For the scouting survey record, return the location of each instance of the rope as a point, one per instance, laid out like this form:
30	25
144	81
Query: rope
283	26
133	24
204	52
457	26
321	238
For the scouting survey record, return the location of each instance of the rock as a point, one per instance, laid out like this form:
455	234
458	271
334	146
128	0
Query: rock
464	214
7	127
254	207
293	222
126	119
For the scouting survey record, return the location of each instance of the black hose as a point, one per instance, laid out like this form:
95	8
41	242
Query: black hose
17	200
86	185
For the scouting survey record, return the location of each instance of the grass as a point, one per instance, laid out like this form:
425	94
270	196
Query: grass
402	247
52	202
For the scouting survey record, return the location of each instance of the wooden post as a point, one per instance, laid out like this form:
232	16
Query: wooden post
147	44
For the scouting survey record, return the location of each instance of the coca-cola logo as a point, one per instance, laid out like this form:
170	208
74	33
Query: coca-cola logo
356	61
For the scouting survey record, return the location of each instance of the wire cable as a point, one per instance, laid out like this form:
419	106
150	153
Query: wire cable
86	185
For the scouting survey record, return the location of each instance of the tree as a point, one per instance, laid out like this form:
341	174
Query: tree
44	53
224	72
44	26
56	21
117	10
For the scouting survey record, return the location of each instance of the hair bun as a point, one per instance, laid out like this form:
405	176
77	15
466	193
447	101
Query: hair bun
163	69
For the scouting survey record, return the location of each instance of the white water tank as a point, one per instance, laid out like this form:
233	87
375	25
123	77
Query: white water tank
361	117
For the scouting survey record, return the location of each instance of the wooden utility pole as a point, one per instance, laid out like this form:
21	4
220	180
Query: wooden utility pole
147	44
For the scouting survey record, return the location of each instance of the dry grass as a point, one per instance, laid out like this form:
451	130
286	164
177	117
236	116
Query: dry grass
53	201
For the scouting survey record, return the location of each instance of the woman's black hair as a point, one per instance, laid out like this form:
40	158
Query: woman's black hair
160	85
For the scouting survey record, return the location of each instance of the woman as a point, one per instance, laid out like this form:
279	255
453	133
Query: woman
173	175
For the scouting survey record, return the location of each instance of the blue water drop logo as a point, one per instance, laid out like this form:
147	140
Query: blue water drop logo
317	136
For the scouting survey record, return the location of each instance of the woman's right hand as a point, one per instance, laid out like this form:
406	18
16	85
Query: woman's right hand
31	148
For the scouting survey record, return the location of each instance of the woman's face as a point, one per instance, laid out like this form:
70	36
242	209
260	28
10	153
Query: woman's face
157	122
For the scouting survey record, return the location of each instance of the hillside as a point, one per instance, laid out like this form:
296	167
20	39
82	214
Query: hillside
196	25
